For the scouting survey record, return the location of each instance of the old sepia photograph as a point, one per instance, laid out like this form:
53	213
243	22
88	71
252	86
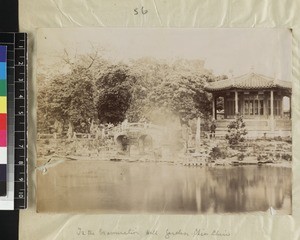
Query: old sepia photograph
164	121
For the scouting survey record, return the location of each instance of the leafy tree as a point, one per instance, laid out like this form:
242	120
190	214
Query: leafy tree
67	94
69	98
175	88
149	73
114	93
44	119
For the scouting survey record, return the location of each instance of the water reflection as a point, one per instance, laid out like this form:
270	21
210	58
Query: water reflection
147	187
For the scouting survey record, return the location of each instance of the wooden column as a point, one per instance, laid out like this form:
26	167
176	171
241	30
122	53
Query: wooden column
272	110
272	104
242	107
214	107
290	106
236	102
281	113
265	106
225	108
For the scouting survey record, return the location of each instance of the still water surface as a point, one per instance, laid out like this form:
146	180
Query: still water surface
157	188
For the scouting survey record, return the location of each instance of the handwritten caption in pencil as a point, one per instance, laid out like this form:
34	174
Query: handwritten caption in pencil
166	234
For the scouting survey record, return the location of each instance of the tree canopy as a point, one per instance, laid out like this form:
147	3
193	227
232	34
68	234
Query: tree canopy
108	92
114	93
68	98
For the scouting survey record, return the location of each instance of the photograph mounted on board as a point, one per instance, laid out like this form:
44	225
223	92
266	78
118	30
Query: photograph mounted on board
185	121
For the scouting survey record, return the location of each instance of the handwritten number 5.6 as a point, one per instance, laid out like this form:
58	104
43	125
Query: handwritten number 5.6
142	11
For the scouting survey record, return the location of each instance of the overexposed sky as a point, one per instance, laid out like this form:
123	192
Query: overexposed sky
225	50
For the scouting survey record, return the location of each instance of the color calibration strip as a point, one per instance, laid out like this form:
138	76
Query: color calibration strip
7	202
3	119
16	168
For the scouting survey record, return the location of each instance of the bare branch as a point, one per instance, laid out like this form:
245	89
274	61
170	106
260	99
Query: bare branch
66	57
93	58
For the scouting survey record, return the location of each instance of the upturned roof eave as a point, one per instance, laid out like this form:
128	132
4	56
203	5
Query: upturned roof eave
212	89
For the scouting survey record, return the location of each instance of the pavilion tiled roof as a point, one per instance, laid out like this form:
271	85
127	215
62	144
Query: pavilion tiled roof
248	81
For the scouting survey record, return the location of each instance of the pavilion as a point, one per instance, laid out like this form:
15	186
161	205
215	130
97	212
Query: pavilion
264	103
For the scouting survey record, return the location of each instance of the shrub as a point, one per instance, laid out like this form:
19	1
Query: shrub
236	131
224	154
288	140
278	138
215	153
287	157
241	157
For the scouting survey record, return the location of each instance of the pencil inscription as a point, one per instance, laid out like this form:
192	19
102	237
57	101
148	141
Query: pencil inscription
163	233
141	10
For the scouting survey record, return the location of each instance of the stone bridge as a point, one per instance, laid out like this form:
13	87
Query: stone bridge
145	136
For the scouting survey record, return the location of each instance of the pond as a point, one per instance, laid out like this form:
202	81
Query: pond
112	187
